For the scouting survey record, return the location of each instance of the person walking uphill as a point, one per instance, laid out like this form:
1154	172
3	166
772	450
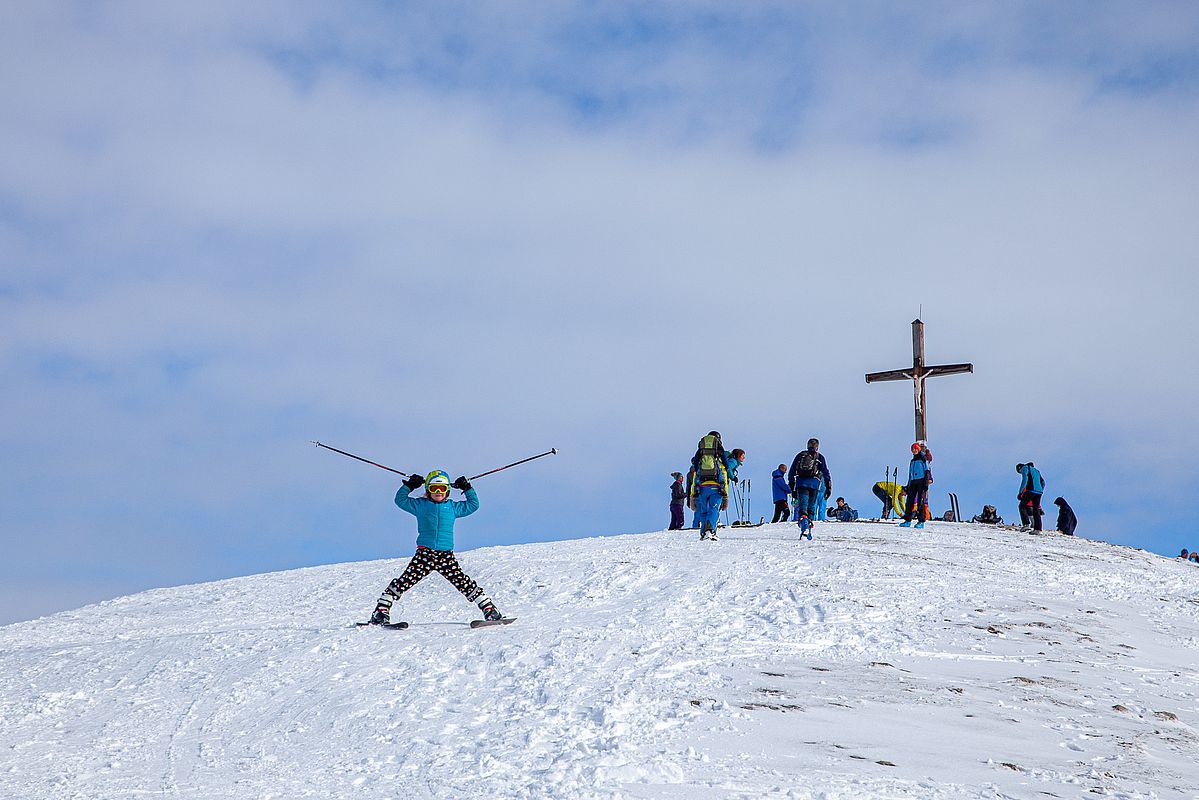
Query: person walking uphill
807	472
920	476
1032	486
708	484
435	516
779	489
678	496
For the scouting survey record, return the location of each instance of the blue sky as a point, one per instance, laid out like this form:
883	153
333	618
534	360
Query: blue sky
456	235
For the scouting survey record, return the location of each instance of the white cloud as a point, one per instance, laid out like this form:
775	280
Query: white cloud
460	271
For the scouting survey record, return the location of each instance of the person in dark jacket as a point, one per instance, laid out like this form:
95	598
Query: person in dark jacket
919	479
779	490
843	513
990	516
807	471
1066	521
678	496
1032	486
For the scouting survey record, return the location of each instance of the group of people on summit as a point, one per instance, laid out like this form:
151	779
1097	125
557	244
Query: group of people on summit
808	485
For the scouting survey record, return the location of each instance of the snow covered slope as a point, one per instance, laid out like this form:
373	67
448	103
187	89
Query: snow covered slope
959	661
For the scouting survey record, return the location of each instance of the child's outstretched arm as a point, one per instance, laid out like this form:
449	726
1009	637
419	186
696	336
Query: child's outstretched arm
468	506
402	499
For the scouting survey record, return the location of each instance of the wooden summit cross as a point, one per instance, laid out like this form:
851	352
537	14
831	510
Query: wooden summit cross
917	373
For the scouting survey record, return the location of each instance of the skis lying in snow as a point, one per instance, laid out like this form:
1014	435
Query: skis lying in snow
487	623
393	626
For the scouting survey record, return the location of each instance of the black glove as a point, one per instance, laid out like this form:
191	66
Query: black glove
828	493
461	483
414	482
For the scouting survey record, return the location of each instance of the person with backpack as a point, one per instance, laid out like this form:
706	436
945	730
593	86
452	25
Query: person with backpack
780	490
708	484
1066	521
435	516
807	471
920	477
678	496
1032	486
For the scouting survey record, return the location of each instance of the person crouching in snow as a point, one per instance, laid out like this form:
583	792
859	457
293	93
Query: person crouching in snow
435	515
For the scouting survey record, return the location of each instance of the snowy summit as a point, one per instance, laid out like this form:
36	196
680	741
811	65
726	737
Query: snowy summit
955	662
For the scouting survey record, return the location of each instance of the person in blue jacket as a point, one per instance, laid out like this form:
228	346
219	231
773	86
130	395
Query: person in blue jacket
435	516
1032	486
708	484
920	476
807	472
779	490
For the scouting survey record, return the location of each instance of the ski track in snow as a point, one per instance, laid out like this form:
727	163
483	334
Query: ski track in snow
955	662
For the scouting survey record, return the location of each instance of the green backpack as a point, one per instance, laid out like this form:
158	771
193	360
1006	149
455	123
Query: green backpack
709	460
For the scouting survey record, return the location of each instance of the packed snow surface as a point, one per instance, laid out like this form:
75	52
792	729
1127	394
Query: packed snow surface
875	662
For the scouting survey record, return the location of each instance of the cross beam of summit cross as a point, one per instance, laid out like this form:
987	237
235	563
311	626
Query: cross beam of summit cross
917	373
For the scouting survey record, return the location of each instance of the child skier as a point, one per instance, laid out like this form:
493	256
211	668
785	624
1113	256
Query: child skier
435	514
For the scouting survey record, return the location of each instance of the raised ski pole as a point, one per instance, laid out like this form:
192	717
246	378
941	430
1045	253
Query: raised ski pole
553	451
360	458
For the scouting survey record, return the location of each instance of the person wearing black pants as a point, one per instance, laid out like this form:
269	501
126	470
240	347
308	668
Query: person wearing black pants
1032	485
919	478
780	490
678	495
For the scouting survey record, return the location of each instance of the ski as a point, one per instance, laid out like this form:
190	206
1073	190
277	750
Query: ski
393	626
487	623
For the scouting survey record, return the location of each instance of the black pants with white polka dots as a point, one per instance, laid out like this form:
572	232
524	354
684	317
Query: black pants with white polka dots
426	561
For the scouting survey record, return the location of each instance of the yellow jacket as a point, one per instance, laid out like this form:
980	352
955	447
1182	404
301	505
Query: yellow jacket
894	491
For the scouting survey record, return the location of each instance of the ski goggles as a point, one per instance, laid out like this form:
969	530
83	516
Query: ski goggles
437	488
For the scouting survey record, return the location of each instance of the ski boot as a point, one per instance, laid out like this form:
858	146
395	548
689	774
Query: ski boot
805	528
382	616
712	536
907	523
918	525
705	530
490	612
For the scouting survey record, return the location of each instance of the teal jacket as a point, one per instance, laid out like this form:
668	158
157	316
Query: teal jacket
435	521
730	466
1031	480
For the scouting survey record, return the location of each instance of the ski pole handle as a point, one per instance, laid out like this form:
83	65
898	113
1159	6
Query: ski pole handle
360	458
